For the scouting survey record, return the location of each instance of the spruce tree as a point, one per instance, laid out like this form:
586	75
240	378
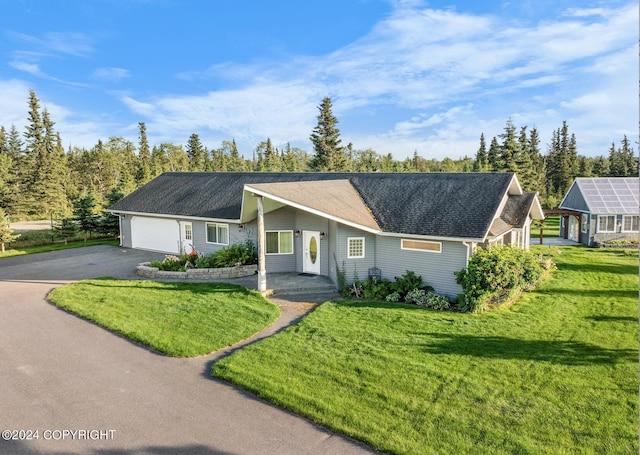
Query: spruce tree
509	149
84	214
493	156
198	154
143	172
481	163
523	164
6	233
48	186
34	144
66	228
329	155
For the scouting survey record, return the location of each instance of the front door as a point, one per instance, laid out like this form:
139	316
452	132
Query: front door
311	250
573	228
186	237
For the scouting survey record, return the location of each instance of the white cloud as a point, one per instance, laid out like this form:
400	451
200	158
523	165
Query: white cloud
447	77
111	74
31	68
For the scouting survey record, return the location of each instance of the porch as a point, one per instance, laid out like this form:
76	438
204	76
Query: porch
287	283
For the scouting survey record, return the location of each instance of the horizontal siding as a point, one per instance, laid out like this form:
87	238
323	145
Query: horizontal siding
436	269
281	220
235	236
355	266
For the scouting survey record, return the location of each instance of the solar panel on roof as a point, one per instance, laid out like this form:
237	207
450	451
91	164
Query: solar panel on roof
610	195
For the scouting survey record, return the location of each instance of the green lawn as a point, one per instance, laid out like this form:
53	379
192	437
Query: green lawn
178	319
551	229
55	247
555	373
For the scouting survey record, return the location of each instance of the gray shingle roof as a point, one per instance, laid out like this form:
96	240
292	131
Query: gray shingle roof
460	205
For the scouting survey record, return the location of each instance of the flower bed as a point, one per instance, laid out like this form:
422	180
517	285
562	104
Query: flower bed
144	269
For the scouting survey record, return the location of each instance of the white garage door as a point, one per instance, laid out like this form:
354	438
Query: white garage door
155	234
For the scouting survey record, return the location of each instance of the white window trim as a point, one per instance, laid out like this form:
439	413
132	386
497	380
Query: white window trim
615	219
422	241
216	226
349	239
624	217
279	253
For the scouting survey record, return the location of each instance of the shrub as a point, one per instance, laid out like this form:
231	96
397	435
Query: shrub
341	275
236	254
393	297
376	289
173	263
427	299
408	282
497	271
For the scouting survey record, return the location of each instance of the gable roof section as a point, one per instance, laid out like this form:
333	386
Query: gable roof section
447	205
516	212
335	199
604	195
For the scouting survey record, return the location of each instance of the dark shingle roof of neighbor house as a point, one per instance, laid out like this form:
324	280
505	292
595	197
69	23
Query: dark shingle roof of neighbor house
514	215
460	205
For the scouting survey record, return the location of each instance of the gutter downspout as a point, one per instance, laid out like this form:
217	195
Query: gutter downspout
469	248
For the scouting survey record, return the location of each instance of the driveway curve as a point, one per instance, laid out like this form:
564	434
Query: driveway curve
71	387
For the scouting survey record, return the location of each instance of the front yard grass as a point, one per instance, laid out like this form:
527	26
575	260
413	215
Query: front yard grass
177	319
555	373
56	247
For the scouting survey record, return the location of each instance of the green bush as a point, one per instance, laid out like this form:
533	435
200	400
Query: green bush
496	271
376	289
427	299
236	254
231	256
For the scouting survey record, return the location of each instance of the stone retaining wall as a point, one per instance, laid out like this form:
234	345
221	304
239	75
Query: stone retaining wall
145	270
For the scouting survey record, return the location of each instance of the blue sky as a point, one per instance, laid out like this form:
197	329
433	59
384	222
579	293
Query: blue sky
403	75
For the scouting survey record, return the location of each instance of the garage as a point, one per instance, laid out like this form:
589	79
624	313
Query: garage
155	234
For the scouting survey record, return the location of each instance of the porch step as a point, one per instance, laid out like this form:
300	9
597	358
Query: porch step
327	289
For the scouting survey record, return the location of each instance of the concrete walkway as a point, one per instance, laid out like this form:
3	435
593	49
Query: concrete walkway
64	377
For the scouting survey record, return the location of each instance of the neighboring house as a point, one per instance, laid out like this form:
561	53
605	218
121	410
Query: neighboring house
382	223
604	209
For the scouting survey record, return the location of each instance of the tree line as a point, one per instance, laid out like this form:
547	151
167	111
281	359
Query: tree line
38	178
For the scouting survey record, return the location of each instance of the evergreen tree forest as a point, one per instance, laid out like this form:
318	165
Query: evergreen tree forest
39	179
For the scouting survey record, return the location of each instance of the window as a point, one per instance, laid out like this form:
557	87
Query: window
188	232
355	247
584	220
218	233
606	223
421	245
279	242
630	223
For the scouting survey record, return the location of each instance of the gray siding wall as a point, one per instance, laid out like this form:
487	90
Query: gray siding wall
353	266
308	222
574	200
235	236
281	220
437	269
125	231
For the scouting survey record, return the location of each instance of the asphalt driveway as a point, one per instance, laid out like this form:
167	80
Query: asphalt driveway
81	389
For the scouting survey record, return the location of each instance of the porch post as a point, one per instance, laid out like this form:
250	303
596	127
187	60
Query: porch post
262	270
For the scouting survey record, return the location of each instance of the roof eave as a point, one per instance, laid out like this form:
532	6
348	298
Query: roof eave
296	205
171	215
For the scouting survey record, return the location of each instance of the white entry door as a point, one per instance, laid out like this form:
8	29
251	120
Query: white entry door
186	237
311	251
573	228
